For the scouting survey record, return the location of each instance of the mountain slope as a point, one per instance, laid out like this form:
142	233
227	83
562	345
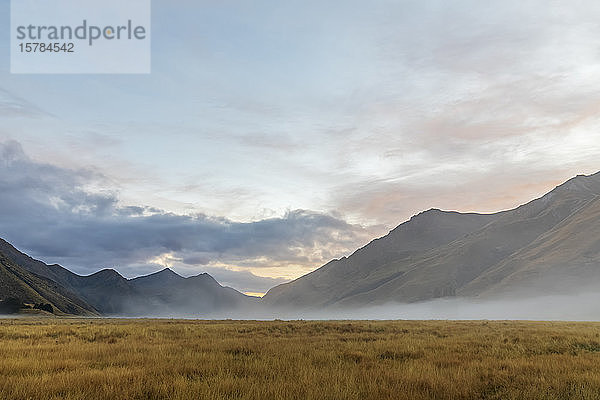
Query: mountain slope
445	270
164	292
564	259
201	294
18	283
106	290
469	264
362	271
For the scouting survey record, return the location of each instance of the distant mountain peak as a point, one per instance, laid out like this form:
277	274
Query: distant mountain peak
107	272
583	177
164	275
434	212
108	292
584	184
168	271
431	211
107	275
204	276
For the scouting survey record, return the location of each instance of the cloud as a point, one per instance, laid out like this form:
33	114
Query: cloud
65	216
13	106
470	110
342	105
376	110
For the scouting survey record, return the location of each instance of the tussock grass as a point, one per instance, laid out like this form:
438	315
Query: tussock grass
171	359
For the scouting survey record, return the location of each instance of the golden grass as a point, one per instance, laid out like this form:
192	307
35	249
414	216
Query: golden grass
171	359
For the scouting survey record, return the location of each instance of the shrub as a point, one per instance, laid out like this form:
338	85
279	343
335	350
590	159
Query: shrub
45	307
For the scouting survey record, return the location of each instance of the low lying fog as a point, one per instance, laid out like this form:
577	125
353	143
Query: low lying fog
580	307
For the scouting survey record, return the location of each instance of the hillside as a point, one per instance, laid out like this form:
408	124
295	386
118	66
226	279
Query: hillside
200	294
109	293
483	254
17	283
565	259
362	271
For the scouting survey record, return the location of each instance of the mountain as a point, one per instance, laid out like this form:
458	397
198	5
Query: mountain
565	257
549	245
367	269
443	254
25	287
106	290
174	294
108	293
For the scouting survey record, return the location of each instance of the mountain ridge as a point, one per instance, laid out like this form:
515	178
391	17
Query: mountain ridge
549	243
25	287
443	268
106	292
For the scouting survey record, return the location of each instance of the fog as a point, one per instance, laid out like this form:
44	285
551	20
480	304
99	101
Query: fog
577	307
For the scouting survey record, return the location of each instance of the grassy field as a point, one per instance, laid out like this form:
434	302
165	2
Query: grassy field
164	359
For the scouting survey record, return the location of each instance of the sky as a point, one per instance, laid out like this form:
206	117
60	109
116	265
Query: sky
272	137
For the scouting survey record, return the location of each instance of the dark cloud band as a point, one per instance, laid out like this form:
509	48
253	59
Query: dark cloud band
51	212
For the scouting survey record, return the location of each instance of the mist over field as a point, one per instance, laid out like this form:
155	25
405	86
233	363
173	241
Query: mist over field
584	306
577	307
